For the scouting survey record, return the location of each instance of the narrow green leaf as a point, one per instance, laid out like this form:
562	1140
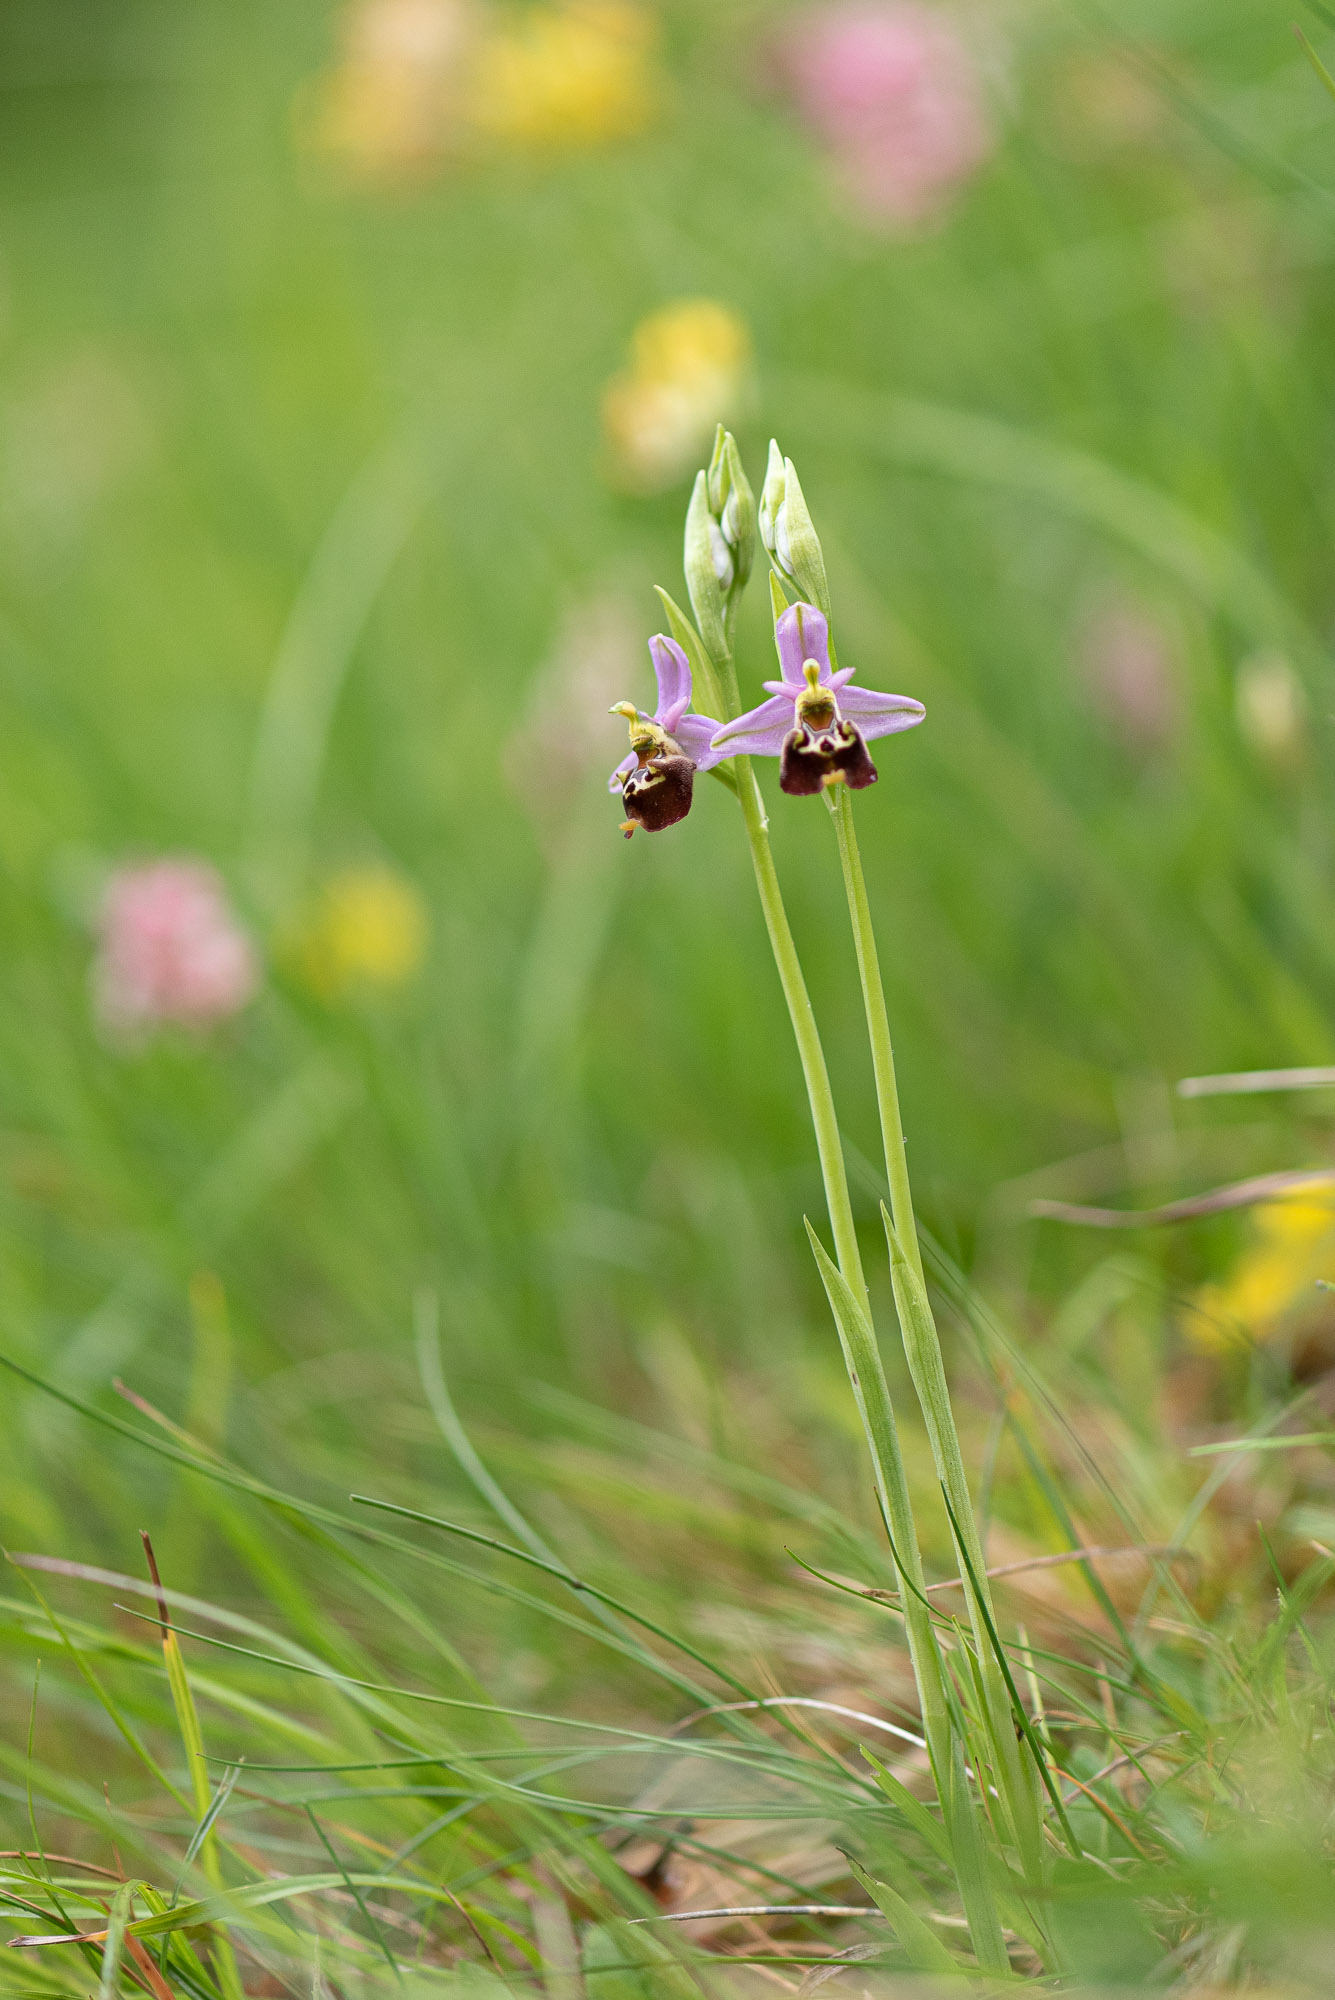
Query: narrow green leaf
970	1861
922	1947
357	1897
1315	60
1022	1721
871	1392
113	1711
192	1740
1290	1442
563	1575
622	1962
914	1811
922	1347
866	1374
109	1984
219	1800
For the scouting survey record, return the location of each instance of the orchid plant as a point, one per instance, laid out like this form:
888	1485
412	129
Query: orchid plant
991	1772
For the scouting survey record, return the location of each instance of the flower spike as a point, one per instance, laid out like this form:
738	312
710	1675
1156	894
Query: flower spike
656	781
816	721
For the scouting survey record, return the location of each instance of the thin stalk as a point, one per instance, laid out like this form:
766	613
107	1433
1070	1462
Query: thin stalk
878	1028
816	1076
923	1347
857	1335
883	1436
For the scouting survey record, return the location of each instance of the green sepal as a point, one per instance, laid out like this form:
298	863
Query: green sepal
789	534
805	556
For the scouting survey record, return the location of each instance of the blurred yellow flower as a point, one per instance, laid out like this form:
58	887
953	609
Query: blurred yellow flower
689	370
419	80
367	929
388	108
1293	1244
566	75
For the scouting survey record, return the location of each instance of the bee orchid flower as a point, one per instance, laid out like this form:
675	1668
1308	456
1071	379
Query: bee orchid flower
816	721
657	780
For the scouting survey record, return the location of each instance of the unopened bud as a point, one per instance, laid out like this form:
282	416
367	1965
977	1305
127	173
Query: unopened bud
720	543
706	586
788	533
732	507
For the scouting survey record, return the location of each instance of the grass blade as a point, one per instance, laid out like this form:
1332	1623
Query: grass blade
357	1898
919	1942
108	1986
1327	79
192	1739
922	1347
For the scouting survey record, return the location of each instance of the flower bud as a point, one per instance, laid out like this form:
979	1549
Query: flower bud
709	570
732	508
788	534
720	543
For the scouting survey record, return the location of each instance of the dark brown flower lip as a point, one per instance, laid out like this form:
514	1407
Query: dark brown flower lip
814	759
658	794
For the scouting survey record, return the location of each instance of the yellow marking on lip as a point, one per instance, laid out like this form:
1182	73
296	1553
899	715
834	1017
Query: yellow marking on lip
817	704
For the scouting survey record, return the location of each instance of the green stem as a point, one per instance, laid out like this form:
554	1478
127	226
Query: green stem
922	1347
857	1335
812	1056
878	1029
870	1386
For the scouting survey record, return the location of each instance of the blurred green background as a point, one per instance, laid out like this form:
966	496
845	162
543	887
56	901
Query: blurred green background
283	440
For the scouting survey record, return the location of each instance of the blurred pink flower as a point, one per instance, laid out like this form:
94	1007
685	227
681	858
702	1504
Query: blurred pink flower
894	93
169	949
1127	661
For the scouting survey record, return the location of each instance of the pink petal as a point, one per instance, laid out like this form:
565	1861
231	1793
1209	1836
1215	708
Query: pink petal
696	733
880	714
674	677
801	634
760	732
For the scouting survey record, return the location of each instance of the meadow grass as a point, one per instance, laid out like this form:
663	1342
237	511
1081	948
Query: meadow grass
304	533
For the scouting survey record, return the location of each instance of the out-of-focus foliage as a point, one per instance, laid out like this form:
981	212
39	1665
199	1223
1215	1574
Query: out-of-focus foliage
305	483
